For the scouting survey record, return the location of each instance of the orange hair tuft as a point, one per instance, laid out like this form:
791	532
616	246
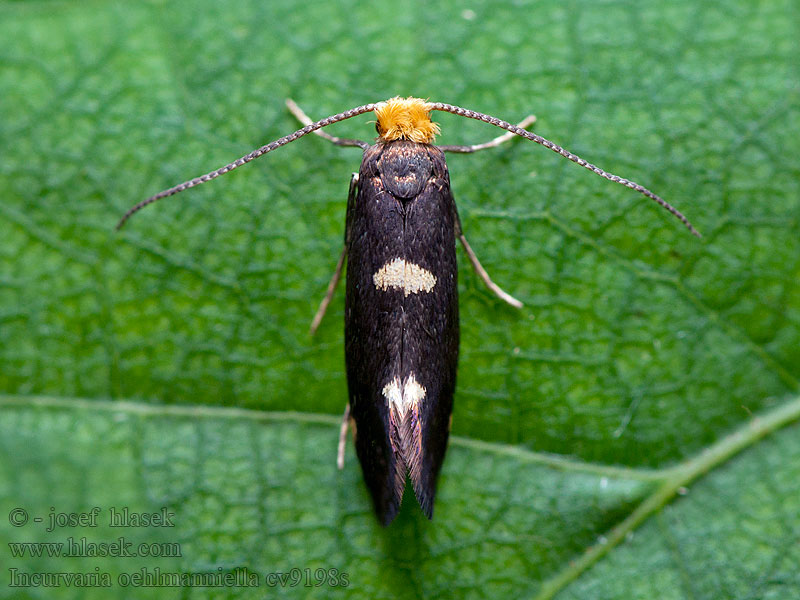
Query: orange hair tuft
406	119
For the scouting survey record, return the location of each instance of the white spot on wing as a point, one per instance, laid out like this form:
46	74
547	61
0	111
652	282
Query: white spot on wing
400	400
402	275
393	394
413	392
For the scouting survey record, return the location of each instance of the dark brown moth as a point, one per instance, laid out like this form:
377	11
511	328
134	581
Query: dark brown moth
401	303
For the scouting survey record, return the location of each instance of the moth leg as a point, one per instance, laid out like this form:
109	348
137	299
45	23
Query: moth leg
476	264
323	306
306	120
343	437
337	275
485	276
500	139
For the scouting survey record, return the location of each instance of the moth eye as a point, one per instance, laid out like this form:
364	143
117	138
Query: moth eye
378	128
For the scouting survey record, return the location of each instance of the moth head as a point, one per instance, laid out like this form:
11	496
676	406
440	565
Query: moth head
405	119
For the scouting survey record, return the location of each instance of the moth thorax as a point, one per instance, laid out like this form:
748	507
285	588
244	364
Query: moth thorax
406	119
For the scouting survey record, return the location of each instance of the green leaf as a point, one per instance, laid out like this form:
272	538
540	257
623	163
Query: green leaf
634	370
259	491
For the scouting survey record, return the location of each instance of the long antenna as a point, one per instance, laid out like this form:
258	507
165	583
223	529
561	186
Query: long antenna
353	112
471	114
440	106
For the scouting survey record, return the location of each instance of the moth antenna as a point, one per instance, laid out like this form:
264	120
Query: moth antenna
353	112
471	114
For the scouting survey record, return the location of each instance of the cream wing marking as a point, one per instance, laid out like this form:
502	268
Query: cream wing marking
403	275
403	396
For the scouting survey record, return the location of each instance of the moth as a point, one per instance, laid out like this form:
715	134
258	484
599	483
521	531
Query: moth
401	302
